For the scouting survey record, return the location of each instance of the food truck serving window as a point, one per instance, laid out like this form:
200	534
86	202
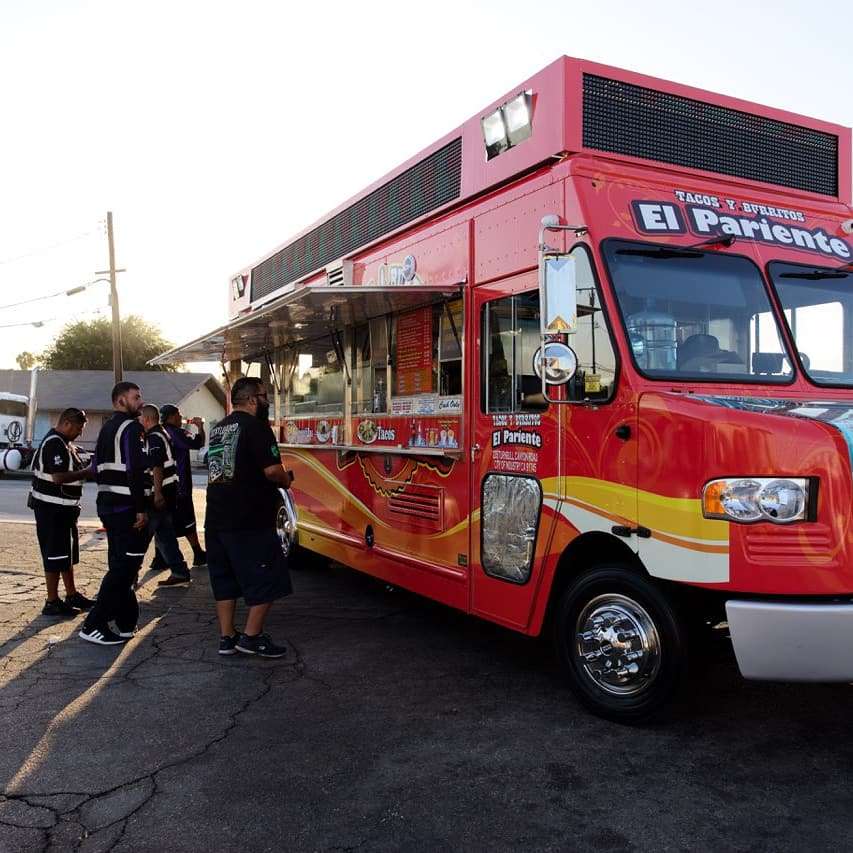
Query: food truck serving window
397	364
695	315
316	382
818	306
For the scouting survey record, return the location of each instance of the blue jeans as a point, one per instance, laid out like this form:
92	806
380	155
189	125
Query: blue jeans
160	526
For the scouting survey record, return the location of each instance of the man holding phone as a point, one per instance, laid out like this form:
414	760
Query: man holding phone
244	555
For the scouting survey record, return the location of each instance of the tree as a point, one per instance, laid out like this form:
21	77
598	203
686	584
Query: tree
26	360
87	345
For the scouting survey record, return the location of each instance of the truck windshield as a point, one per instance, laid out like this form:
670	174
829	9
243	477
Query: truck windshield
818	306
694	315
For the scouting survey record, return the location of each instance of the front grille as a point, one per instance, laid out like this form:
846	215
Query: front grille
424	187
809	544
641	122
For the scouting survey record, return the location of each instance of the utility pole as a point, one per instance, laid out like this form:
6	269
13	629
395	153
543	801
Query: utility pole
117	357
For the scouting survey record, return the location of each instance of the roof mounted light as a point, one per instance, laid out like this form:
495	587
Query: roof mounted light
508	125
238	286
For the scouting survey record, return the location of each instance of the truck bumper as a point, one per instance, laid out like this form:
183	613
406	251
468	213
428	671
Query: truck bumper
792	642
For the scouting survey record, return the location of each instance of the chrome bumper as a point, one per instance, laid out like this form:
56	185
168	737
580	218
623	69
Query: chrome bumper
792	642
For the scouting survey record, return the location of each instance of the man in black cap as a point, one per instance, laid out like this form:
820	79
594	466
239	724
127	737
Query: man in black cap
183	442
57	487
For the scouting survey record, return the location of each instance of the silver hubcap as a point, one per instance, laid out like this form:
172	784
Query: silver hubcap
617	645
284	528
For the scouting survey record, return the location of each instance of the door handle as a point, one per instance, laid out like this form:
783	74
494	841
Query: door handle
475	449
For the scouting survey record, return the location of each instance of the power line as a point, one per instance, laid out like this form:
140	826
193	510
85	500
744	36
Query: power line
43	250
37	324
69	292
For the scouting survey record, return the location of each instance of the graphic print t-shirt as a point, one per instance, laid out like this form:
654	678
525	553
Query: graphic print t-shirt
239	496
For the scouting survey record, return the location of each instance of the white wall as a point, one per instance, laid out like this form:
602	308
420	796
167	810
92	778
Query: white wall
202	404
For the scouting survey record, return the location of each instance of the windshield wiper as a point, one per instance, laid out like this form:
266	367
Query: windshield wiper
814	275
661	252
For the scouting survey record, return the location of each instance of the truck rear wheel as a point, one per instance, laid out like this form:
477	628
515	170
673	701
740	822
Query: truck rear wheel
286	527
620	644
285	524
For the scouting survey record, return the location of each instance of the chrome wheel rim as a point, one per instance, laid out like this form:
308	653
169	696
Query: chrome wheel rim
617	645
285	526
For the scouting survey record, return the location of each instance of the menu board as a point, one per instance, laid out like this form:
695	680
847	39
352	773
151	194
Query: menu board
414	352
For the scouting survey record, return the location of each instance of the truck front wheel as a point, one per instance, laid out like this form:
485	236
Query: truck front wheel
620	643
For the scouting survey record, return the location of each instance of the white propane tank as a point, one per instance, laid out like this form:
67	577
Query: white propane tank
11	459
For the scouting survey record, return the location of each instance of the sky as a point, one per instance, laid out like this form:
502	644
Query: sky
214	131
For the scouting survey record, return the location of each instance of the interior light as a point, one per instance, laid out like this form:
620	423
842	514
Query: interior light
517	117
494	134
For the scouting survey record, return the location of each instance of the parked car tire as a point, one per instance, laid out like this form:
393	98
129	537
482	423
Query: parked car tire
621	644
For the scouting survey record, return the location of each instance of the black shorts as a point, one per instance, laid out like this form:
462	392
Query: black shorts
183	515
56	530
247	564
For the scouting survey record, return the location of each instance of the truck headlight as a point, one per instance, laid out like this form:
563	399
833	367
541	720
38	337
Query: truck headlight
748	499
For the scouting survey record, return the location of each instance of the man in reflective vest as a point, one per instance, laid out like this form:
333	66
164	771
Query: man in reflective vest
120	463
161	488
57	487
182	443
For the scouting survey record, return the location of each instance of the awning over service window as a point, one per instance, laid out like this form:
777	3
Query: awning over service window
306	313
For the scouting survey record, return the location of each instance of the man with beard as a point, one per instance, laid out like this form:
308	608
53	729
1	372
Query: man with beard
120	464
244	555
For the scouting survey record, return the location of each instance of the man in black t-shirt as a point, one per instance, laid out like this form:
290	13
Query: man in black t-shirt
244	555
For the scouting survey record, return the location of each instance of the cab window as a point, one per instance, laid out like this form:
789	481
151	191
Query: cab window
511	332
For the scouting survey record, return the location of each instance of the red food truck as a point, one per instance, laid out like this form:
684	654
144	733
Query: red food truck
584	365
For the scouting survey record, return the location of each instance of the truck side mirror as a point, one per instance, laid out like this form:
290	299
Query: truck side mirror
555	362
558	295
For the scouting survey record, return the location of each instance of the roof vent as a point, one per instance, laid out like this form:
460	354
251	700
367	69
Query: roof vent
641	122
339	274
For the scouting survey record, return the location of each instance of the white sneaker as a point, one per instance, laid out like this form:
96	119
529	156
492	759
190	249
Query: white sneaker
100	636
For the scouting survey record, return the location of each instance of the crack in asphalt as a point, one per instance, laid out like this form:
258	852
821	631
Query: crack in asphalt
267	681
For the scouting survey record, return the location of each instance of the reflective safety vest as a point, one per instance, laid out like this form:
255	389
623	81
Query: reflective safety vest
158	438
42	488
112	472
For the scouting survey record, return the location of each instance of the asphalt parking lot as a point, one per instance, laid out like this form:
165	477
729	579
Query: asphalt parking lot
394	723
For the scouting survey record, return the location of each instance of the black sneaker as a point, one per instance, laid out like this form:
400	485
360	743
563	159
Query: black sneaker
200	560
58	607
79	601
260	645
126	635
174	580
228	645
100	636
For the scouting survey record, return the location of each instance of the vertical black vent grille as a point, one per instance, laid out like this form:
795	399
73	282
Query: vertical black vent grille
422	188
640	122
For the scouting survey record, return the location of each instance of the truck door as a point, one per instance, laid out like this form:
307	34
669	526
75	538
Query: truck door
514	453
543	473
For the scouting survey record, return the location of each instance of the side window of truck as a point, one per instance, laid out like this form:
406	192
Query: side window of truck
510	335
